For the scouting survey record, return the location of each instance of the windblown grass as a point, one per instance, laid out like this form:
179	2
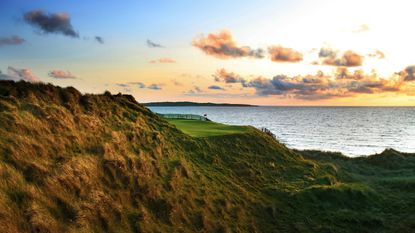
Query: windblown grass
104	163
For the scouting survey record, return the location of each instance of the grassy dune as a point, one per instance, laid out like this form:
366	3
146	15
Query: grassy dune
104	163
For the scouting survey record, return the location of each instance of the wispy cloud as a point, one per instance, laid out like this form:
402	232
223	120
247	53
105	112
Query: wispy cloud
163	60
16	74
152	44
194	90
281	54
60	74
222	45
154	86
99	39
125	87
122	85
140	85
176	83
57	23
12	40
362	28
377	54
215	87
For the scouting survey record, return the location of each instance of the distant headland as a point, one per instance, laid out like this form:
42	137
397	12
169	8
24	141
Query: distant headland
188	103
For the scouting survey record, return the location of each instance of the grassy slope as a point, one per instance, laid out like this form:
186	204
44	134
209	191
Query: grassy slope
104	163
197	128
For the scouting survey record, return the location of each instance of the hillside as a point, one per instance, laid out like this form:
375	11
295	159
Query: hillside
105	163
190	104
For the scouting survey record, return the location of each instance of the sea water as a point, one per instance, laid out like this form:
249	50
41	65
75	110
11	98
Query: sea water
354	131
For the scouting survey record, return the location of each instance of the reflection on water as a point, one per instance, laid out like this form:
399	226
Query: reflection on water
350	130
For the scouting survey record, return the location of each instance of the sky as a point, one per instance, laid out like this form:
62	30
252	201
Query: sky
328	53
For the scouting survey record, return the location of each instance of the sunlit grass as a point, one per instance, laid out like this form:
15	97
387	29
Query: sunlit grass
104	163
198	128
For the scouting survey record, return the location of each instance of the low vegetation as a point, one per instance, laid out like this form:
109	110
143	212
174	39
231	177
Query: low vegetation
105	163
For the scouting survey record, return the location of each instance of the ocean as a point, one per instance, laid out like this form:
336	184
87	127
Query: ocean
353	131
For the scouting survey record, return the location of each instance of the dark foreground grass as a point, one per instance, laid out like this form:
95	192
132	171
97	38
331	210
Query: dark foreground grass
198	128
104	163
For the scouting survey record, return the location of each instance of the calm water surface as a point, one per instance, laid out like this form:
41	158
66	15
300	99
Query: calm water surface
353	131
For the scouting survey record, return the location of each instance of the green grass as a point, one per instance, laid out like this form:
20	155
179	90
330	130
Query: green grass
197	128
104	163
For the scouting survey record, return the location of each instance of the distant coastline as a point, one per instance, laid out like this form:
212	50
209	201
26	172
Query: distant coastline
188	103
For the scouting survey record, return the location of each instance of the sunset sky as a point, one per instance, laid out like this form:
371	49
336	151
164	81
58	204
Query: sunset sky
257	52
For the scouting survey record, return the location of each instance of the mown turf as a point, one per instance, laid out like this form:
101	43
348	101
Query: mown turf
105	163
198	128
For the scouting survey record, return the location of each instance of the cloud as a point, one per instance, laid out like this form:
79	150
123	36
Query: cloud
122	85
57	23
320	86
281	54
163	60
191	76
217	95
408	75
228	77
377	54
154	87
344	73
338	84
223	46
99	39
19	74
176	83
329	56
215	87
60	74
362	28
151	44
138	84
12	40
327	52
197	89
194	90
350	58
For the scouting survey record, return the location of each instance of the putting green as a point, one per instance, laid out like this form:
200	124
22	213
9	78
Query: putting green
198	128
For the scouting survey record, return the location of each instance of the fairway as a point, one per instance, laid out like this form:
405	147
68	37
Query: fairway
197	128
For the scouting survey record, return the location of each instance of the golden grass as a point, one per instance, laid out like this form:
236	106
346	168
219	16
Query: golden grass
104	163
